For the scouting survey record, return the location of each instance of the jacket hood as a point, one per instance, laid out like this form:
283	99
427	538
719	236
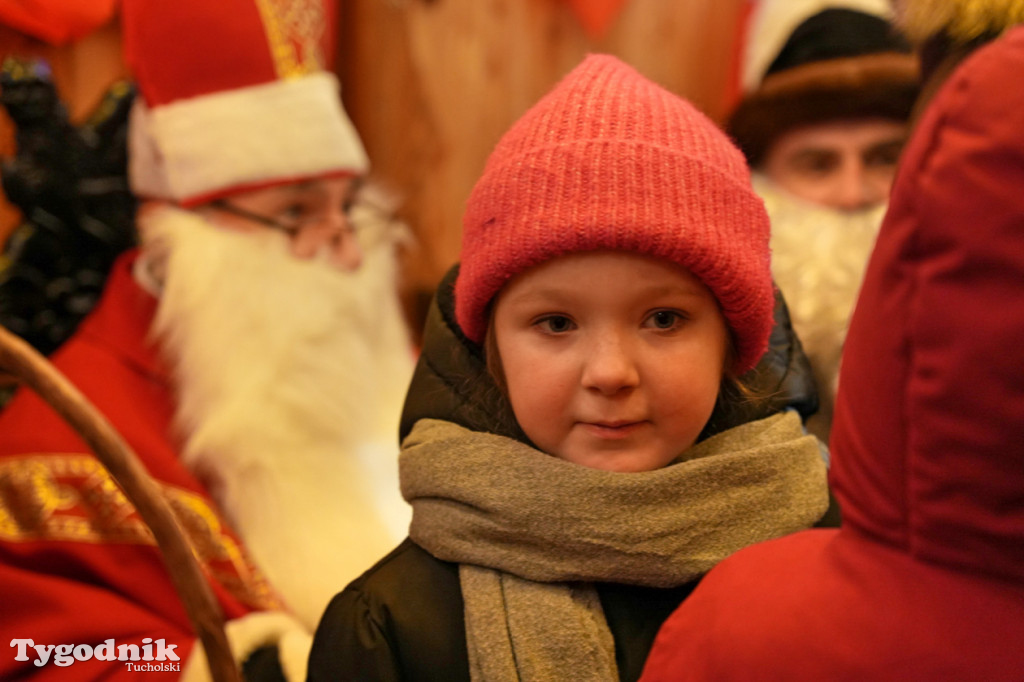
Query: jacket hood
451	380
928	439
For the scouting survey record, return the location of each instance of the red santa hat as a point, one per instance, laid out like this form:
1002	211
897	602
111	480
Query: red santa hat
234	96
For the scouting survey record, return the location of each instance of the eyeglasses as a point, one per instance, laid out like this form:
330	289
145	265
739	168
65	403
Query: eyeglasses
291	229
300	206
369	218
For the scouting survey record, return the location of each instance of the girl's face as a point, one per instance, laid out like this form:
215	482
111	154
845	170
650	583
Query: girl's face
612	360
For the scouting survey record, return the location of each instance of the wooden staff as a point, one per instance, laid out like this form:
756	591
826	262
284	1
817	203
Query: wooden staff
35	371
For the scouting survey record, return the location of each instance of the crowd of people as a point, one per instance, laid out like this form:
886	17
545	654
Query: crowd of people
601	463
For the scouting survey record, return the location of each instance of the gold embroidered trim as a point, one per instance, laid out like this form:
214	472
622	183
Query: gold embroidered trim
294	30
72	498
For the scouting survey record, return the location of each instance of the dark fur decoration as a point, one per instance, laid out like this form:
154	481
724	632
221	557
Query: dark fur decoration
72	189
871	86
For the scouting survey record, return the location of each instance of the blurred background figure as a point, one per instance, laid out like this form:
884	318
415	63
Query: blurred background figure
945	32
65	210
828	87
252	351
71	185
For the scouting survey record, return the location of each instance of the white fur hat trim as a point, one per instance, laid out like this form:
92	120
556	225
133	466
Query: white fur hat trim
207	146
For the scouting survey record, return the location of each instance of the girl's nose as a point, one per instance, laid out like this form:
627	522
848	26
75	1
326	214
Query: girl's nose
609	366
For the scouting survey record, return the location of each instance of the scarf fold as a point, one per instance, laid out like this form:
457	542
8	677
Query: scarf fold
527	527
518	629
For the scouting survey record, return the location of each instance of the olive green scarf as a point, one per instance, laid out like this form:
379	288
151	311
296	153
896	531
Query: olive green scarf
528	528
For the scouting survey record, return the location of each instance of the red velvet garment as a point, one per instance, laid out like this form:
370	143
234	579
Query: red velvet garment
925	581
76	564
57	22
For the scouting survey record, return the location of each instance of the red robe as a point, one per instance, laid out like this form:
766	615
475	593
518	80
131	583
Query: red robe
925	580
77	566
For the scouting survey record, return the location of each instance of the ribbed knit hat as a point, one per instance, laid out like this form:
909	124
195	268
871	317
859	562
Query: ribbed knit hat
610	160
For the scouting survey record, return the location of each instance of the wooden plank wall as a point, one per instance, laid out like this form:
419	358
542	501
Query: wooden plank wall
432	84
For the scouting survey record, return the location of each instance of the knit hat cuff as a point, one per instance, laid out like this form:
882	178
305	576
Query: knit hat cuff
613	194
197	149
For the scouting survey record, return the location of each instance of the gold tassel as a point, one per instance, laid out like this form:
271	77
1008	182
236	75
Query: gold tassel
961	20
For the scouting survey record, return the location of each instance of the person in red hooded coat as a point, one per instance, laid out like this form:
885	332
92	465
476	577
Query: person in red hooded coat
925	580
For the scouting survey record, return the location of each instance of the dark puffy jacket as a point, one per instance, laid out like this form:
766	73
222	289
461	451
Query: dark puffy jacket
925	581
403	619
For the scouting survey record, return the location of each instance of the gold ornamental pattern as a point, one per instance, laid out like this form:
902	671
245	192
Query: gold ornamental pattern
72	498
295	31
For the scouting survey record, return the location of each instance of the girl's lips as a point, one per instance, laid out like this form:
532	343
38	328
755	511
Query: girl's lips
611	430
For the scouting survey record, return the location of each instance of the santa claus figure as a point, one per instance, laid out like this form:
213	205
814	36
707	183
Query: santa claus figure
252	351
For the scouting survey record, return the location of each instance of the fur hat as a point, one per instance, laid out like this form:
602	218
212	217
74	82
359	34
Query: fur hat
610	160
234	96
836	63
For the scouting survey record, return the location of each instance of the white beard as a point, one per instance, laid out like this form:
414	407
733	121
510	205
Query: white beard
818	260
291	377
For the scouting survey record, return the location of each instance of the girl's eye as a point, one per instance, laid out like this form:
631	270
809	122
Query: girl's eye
555	324
665	319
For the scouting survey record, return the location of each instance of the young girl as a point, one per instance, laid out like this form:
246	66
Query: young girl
567	492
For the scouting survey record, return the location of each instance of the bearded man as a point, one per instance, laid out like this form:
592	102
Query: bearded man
252	352
828	90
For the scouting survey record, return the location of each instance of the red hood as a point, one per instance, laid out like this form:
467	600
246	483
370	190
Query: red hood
928	439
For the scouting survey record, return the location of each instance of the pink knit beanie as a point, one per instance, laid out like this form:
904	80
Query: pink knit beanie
610	160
